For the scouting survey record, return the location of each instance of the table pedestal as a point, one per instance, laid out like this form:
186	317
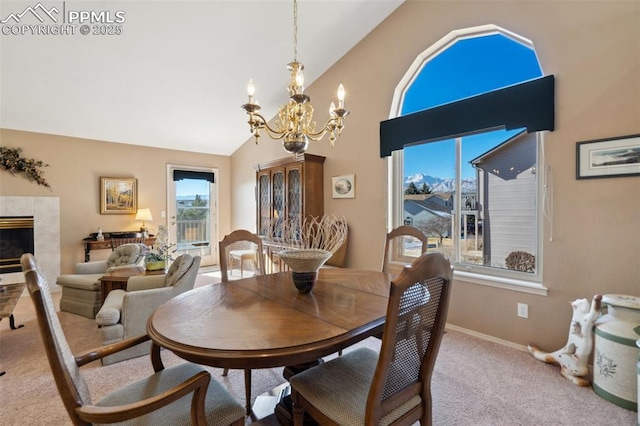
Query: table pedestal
284	408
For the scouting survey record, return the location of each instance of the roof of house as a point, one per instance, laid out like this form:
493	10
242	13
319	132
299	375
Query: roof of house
415	207
497	148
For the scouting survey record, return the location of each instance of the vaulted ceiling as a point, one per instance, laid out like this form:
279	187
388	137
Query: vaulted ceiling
176	75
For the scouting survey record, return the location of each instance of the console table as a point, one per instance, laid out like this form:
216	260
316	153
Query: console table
119	238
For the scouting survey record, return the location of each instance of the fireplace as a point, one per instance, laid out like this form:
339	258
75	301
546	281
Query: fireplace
16	238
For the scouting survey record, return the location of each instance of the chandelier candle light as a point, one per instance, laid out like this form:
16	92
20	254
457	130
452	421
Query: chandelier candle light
295	125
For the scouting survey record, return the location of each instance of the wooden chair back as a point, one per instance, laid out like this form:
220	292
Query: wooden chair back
71	385
240	246
394	249
415	320
116	242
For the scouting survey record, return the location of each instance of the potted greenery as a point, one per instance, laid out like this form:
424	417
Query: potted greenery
158	257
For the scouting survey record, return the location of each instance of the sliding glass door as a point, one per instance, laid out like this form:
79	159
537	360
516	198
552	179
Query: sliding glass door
192	211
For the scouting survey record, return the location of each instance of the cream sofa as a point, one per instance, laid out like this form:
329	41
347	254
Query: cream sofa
81	292
124	314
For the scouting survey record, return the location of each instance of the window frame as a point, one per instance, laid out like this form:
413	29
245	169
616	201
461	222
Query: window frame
476	274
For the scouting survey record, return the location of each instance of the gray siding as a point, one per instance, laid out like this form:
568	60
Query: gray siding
510	200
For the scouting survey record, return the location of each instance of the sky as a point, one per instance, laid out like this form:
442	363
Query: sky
467	68
192	187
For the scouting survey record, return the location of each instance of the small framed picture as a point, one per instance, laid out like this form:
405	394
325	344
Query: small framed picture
343	186
612	157
118	195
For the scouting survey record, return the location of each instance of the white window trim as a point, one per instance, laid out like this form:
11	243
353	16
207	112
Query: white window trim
506	283
494	278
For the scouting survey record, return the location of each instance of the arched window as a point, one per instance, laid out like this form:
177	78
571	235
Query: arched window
481	200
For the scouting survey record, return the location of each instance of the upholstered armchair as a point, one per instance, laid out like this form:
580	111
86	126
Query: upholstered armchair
124	314
81	292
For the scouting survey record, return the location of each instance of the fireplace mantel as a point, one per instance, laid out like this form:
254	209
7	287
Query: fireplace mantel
46	233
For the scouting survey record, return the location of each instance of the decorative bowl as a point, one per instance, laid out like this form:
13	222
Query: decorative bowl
304	265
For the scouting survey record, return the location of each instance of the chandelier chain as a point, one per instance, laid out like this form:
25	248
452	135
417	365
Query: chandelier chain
295	31
294	123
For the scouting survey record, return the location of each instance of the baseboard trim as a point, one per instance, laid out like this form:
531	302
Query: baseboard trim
487	337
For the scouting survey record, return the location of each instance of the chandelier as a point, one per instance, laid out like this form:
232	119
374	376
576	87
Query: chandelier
295	125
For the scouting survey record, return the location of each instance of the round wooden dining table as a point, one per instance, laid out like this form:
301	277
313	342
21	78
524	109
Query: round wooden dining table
264	322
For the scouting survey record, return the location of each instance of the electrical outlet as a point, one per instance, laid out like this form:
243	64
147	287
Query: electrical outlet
523	310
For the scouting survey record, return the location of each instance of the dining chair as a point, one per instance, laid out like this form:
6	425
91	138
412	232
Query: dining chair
161	398
398	251
392	387
239	246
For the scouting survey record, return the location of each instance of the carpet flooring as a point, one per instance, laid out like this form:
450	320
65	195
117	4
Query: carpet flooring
475	382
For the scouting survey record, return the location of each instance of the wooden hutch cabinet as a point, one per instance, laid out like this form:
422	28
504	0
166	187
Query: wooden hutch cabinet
290	188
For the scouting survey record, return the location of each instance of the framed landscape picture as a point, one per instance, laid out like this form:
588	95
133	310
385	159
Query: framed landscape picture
118	195
612	157
343	186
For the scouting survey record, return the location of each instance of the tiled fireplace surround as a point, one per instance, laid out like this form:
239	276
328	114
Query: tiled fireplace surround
46	233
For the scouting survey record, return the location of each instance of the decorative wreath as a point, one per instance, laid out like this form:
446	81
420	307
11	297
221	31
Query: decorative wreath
14	163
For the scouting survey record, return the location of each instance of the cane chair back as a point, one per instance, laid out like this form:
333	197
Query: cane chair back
239	249
394	386
401	248
71	385
236	249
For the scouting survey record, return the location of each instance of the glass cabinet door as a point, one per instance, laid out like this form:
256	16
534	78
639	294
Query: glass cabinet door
277	195
294	195
264	205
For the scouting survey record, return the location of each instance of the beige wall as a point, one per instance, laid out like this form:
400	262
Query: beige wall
75	168
593	49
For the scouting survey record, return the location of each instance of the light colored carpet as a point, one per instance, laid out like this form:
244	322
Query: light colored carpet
475	382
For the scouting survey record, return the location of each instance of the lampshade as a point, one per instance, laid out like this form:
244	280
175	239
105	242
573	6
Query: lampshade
144	214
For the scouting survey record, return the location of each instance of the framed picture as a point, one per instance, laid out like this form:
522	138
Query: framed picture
343	186
118	195
612	157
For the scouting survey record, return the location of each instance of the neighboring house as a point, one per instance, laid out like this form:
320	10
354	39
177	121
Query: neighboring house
423	208
506	184
189	201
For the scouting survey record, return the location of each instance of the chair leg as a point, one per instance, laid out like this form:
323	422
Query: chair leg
247	389
298	410
225	372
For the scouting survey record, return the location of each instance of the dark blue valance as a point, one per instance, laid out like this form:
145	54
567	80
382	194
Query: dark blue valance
529	105
189	174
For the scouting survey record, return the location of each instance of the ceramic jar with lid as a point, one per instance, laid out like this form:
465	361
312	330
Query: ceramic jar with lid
616	354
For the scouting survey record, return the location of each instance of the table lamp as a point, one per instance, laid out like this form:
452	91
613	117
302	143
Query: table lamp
143	215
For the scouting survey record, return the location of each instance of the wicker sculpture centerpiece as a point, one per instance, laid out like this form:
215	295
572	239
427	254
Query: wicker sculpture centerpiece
309	246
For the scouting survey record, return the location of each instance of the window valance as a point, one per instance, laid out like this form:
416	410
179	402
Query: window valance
527	105
189	174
